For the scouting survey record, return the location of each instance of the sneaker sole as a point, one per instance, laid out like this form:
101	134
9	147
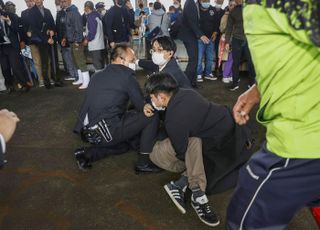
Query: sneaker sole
199	80
234	89
207	223
181	209
211	79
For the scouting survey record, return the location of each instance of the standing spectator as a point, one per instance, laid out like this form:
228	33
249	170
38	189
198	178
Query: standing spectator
189	33
177	10
239	45
209	26
95	37
74	36
10	58
65	46
119	21
218	14
101	9
41	32
159	18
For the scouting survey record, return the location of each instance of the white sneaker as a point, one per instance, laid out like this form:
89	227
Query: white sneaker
80	78
226	80
211	77
86	80
199	78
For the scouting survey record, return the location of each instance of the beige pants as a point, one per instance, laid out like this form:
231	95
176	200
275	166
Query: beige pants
35	53
164	156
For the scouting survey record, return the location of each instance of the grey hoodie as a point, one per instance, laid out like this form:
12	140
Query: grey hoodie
154	20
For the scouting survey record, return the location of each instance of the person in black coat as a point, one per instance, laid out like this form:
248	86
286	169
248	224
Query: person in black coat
189	33
40	33
104	119
163	60
10	58
118	22
189	115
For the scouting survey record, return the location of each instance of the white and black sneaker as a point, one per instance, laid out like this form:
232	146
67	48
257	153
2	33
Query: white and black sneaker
82	161
211	77
177	196
204	212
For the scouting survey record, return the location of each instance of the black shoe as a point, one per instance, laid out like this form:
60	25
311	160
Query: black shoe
58	84
233	87
147	168
177	196
48	86
204	212
82	161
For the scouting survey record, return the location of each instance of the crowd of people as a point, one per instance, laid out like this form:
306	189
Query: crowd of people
172	126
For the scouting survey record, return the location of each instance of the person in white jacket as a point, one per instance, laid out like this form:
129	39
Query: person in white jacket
94	36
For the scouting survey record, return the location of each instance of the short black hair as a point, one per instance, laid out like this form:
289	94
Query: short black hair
157	6
166	43
160	83
120	50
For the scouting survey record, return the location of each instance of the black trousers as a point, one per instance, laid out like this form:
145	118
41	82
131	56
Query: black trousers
10	60
133	131
192	51
239	49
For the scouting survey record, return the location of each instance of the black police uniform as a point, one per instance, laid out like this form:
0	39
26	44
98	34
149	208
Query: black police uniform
105	106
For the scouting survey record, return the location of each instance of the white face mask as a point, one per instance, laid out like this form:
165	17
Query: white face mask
176	5
158	58
58	7
156	107
132	66
103	12
218	6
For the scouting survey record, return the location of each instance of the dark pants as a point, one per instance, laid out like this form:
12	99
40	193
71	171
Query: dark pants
10	60
271	190
239	49
192	51
135	130
44	58
98	59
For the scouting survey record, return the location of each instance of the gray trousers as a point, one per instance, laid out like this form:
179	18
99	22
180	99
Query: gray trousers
164	156
98	59
67	57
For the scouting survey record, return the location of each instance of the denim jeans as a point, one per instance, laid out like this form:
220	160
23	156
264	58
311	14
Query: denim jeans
208	50
67	57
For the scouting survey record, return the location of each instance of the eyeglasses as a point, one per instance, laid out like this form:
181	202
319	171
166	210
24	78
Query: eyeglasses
158	51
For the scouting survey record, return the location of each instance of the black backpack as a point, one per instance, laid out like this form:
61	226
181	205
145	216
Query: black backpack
175	27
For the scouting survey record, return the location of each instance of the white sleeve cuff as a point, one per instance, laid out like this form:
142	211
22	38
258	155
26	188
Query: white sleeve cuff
3	144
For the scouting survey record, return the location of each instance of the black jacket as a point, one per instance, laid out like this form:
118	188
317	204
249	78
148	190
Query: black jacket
12	31
191	115
25	26
171	67
39	25
118	22
108	95
190	28
61	25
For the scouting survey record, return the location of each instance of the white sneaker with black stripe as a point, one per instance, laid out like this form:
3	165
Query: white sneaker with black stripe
204	212
177	196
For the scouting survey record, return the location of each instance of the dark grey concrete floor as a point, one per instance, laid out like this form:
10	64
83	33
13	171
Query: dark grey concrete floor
41	187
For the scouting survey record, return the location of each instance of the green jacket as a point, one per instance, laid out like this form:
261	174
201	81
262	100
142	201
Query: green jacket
286	57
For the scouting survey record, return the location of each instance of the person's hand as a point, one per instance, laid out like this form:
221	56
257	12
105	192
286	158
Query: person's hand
112	45
50	41
204	39
85	42
148	110
244	104
29	34
8	124
5	18
22	45
63	42
227	47
214	36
